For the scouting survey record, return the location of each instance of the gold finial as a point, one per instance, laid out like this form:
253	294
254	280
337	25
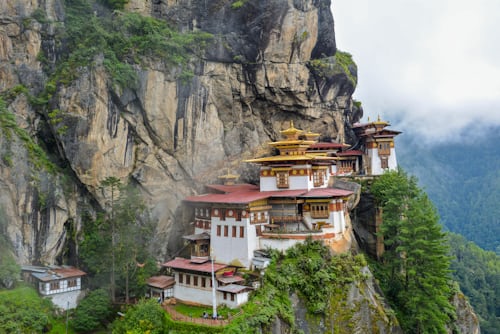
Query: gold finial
291	124
378	119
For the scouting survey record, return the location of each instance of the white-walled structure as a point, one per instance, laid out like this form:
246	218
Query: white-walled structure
294	201
377	145
194	282
62	284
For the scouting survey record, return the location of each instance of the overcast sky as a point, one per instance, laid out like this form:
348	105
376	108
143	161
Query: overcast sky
428	65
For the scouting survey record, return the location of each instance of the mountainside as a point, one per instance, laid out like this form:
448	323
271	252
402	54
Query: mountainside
148	114
162	96
463	180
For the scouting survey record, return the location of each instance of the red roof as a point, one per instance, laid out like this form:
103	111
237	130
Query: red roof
327	192
244	197
161	282
239	197
186	264
349	152
232	188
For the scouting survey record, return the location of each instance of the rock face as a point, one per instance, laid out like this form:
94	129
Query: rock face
361	311
166	136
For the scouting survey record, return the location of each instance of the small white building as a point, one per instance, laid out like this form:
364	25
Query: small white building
62	284
377	145
161	287
194	284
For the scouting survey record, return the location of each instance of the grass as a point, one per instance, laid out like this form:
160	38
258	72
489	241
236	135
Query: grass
197	311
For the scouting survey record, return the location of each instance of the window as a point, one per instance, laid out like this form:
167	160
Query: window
234	232
232	297
188	279
218	230
282	179
54	285
226	230
320	210
203	282
72	283
318	178
225	295
384	148
242	231
384	162
181	278
195	280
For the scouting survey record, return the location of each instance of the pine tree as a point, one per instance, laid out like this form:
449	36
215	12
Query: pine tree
415	270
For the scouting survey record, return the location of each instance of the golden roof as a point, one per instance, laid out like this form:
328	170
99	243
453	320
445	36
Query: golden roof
291	132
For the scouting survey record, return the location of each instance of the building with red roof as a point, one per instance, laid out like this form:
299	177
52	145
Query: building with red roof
377	144
235	223
62	284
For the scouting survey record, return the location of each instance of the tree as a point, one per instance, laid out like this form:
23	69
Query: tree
415	266
124	232
147	316
92	311
112	184
9	269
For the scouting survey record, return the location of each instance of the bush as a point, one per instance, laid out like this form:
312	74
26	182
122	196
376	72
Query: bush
93	311
145	317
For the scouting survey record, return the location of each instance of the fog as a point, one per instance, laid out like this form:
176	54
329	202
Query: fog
431	68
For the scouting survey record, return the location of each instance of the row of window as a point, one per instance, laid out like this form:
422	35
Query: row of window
195	280
234	231
55	285
282	179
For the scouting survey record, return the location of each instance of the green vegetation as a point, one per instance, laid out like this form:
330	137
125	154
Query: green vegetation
238	4
478	274
115	4
124	40
124	233
147	316
9	269
23	311
92	312
320	279
340	63
414	273
9	128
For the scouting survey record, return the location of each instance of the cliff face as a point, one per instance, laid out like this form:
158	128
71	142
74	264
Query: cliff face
167	136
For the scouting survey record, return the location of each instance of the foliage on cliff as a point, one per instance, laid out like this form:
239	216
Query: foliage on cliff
308	270
478	274
123	40
414	272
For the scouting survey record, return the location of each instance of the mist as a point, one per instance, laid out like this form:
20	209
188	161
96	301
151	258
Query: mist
431	68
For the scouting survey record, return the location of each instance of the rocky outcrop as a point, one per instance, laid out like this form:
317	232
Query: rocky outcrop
361	310
466	321
166	136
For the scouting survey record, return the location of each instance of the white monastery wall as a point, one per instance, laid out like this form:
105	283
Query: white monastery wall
227	248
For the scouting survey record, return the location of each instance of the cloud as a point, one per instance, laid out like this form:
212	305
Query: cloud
432	68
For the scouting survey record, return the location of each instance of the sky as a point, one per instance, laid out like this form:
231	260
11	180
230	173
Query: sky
430	67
